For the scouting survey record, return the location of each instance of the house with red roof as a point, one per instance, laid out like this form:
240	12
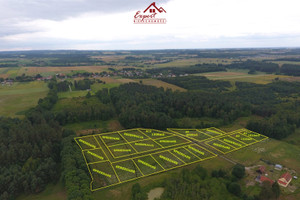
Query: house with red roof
265	179
285	179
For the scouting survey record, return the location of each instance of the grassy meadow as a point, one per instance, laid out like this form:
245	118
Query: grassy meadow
243	76
52	191
159	83
20	97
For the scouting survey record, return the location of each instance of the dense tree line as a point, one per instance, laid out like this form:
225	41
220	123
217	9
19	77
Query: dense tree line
30	155
83	84
24	78
198	68
63	86
291	70
139	105
74	171
279	125
8	65
197	83
83	110
255	65
148	106
276	102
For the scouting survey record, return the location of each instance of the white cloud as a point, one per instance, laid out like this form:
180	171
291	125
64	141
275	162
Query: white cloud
189	23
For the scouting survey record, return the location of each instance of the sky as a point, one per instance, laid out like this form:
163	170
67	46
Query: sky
108	24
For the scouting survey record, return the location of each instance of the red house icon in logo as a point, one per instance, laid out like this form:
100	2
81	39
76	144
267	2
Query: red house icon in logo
153	9
150	15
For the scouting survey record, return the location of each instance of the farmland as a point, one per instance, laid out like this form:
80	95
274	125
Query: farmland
243	76
109	101
102	152
53	70
20	97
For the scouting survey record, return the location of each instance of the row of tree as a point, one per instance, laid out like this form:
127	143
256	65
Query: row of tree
74	170
198	83
198	68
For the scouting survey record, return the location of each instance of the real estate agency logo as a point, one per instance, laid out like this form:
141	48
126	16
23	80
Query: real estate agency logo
151	15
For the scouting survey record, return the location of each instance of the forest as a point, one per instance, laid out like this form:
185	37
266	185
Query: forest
198	83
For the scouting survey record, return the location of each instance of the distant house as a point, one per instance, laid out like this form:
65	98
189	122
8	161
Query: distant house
285	179
262	179
278	167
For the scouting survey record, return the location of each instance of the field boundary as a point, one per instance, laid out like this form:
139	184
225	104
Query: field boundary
139	161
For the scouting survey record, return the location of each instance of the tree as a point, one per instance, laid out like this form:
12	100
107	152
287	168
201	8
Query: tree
88	95
137	193
266	191
234	188
200	171
238	171
252	71
276	189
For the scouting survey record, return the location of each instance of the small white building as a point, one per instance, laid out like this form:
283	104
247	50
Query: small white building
278	167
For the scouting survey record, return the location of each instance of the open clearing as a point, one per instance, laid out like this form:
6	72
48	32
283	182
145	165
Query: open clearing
113	82
51	192
159	83
117	157
9	72
20	97
243	76
292	78
165	151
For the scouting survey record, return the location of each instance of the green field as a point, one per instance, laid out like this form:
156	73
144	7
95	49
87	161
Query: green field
272	150
9	72
159	83
99	86
52	191
20	97
241	75
81	93
184	62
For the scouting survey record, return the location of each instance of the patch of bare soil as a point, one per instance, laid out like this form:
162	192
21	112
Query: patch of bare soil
87	131
115	126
